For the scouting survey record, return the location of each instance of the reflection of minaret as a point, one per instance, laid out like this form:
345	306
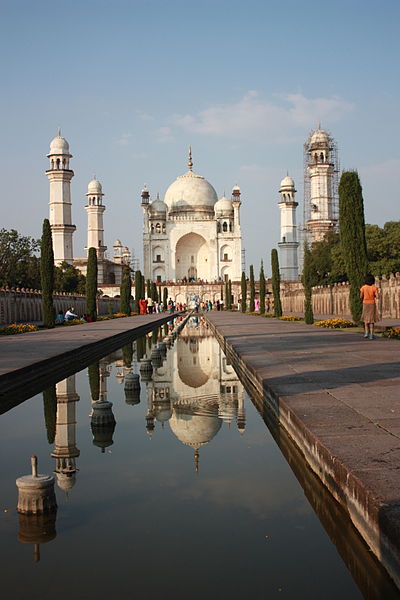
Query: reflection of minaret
241	417
65	450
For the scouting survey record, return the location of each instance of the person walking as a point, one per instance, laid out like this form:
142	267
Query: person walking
368	293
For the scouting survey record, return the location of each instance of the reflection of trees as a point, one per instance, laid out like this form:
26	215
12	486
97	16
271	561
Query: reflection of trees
94	380
50	412
140	348
127	354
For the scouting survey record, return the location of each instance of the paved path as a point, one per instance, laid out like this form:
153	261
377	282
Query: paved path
338	397
27	359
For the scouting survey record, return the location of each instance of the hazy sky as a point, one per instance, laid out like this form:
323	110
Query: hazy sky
132	84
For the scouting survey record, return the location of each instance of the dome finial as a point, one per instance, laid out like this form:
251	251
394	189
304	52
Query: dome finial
196	460
94	175
59	132
190	162
319	124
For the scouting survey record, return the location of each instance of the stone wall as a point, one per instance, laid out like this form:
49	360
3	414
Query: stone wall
334	300
25	306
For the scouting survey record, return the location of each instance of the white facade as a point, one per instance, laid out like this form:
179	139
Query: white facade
191	235
60	175
288	245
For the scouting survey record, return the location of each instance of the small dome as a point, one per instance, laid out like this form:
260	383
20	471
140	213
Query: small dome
59	145
158	206
117	243
235	188
194	430
94	187
287	183
66	481
320	136
224	205
190	191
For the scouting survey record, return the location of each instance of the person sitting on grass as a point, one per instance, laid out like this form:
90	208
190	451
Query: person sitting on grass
368	293
59	318
70	315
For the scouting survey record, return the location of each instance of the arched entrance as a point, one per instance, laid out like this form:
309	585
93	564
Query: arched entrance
191	258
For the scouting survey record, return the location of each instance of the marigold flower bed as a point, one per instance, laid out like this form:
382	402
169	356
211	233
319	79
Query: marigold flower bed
393	333
335	324
15	328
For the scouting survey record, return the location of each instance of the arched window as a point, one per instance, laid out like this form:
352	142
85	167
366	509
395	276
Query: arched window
152	228
322	157
316	157
230	226
58	163
52	163
158	228
224	227
64	161
218	227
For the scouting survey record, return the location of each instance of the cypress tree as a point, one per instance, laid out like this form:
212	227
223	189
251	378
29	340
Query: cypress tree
140	347
306	278
138	287
226	294
154	293
91	284
262	289
276	283
165	298
244	292
229	296
143	287
94	380
148	286
159	294
50	412
127	354
252	289
352	237
47	275
125	291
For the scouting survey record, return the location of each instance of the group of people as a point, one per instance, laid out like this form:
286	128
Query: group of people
149	306
70	316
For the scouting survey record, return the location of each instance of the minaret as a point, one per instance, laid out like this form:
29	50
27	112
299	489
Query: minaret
237	235
65	450
288	260
320	185
145	202
95	209
60	175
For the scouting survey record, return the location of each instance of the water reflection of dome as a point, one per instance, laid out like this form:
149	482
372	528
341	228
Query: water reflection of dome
66	481
163	413
193	429
194	366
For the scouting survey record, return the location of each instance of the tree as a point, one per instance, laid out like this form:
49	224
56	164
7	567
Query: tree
154	293
125	291
229	296
91	284
243	292
127	354
19	265
148	285
383	247
276	283
159	294
47	275
226	294
252	289
262	289
94	380
69	279
50	412
307	280
352	237
165	298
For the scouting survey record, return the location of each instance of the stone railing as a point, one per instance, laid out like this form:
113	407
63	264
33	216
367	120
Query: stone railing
25	306
334	300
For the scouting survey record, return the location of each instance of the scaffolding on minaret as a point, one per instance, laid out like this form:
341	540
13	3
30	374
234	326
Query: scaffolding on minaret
321	178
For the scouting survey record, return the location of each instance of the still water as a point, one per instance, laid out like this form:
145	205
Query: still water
186	496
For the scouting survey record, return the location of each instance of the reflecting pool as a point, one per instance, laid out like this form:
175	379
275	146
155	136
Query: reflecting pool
177	490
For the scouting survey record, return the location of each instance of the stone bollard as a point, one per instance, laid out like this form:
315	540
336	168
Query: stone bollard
146	369
102	414
36	530
163	348
36	492
132	388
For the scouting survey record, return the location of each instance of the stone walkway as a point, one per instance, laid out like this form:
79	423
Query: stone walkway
338	397
50	354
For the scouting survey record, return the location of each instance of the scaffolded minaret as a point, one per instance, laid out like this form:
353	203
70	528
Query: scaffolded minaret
321	169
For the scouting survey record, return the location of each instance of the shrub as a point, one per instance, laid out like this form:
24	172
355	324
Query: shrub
335	323
15	328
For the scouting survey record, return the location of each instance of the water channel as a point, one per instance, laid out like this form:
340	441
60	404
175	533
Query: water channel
187	495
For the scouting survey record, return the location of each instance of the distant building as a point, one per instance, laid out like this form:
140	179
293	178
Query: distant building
191	235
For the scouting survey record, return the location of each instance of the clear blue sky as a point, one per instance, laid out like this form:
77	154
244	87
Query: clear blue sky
132	84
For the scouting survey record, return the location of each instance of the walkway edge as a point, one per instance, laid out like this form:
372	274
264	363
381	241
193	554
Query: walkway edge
22	383
376	523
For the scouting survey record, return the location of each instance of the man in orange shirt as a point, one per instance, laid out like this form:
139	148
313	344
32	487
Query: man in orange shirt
368	293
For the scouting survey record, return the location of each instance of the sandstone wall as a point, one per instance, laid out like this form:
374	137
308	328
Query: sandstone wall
334	300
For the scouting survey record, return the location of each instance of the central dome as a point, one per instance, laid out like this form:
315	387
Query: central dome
190	192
